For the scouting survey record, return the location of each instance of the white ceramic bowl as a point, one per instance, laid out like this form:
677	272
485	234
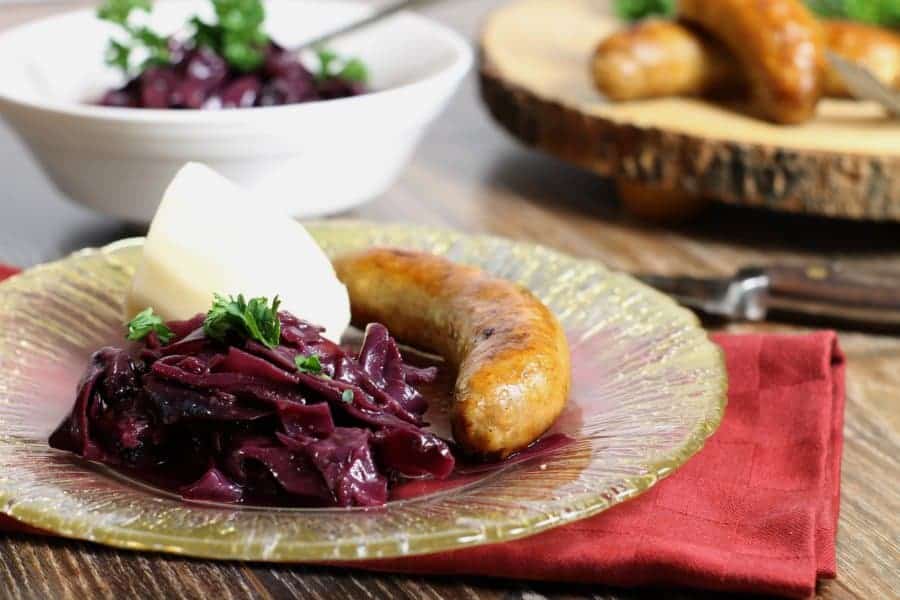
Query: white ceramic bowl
307	159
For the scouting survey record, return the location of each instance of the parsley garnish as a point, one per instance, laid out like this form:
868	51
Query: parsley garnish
354	70
308	364
332	65
631	10
237	317
347	396
153	46
146	322
237	34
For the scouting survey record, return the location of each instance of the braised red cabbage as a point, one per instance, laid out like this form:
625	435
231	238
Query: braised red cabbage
199	78
242	423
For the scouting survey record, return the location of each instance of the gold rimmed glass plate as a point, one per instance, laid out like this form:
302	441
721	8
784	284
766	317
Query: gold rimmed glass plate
649	388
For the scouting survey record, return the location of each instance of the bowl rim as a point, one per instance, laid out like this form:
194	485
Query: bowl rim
462	63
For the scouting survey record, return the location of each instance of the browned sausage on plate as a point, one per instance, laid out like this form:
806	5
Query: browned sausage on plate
511	352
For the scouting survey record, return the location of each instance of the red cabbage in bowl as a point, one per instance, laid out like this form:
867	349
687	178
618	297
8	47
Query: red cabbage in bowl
201	79
241	423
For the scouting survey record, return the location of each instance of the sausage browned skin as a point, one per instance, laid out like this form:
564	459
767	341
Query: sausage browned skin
874	48
510	351
656	59
632	64
779	45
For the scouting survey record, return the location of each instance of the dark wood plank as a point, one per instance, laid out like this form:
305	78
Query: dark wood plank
53	568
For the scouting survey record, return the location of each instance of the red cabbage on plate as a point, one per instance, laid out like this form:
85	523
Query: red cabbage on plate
256	408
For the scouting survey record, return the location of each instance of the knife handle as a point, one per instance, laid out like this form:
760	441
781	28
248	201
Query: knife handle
833	291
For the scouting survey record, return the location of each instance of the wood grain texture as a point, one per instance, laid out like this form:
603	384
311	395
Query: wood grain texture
535	85
468	176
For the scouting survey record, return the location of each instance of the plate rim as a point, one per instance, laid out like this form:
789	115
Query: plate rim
206	547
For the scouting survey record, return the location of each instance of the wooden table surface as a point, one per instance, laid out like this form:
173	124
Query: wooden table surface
468	175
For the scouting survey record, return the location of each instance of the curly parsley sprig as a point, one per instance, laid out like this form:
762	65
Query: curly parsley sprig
309	364
120	52
146	322
632	10
239	318
237	35
333	65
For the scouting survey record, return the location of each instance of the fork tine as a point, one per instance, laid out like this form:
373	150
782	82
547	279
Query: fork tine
864	85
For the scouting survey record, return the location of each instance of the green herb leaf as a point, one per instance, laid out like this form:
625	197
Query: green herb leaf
118	11
828	8
118	55
331	64
119	52
326	59
236	317
308	364
632	10
239	36
204	33
156	46
347	396
239	53
146	322
354	70
877	12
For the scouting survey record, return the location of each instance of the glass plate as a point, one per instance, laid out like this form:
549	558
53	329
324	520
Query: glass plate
649	388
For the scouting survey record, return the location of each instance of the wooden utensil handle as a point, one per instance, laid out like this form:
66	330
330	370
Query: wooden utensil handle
833	284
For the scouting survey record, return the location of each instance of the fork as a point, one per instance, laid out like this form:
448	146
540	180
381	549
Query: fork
864	85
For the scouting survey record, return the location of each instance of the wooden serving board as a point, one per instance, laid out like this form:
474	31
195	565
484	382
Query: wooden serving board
535	80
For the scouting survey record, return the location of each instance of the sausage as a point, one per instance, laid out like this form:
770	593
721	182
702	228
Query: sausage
510	352
778	44
874	48
656	58
635	63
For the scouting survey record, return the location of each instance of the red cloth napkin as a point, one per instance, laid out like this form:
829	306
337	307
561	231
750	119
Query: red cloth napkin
6	271
754	511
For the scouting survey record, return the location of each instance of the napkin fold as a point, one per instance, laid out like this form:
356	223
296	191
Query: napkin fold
754	511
